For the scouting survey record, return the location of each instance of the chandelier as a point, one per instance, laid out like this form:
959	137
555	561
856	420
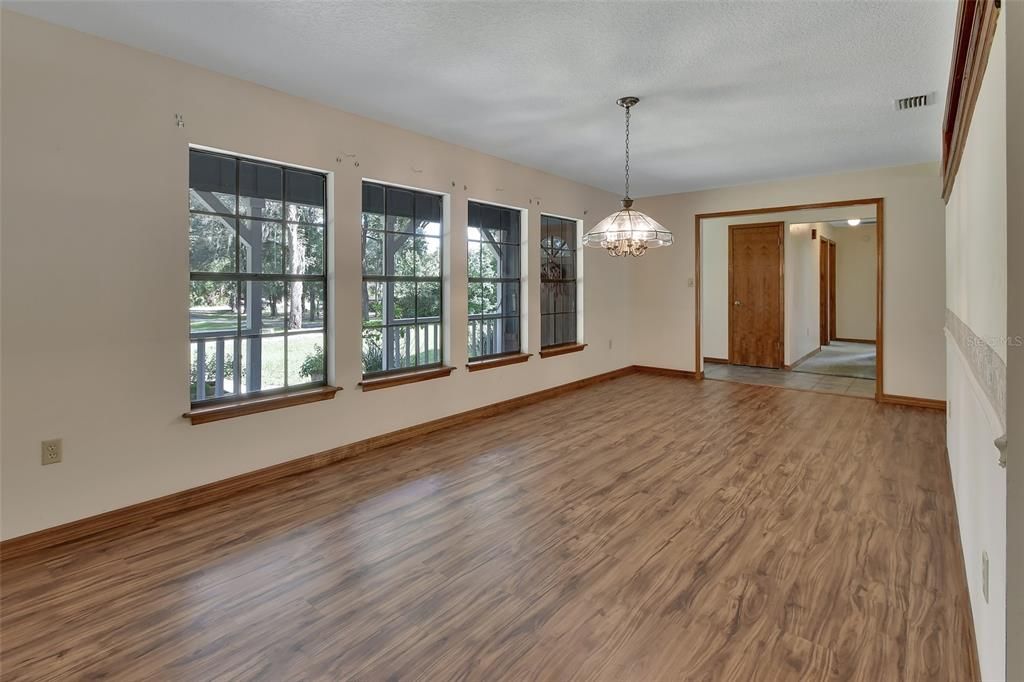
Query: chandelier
627	232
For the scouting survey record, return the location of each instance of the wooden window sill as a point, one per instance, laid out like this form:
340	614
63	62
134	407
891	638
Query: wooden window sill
500	361
390	380
213	413
562	350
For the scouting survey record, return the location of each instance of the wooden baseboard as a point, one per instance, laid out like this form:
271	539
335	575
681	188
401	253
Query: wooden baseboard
661	371
910	401
717	361
969	633
789	368
145	512
871	341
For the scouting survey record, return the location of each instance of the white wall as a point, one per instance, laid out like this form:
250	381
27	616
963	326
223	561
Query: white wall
914	270
95	273
1013	20
976	292
714	251
800	276
856	281
803	307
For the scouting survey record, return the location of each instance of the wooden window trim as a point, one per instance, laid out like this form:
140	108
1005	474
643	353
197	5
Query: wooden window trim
563	349
241	408
974	32
401	378
500	361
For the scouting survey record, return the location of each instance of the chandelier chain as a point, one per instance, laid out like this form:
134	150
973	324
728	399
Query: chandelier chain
627	152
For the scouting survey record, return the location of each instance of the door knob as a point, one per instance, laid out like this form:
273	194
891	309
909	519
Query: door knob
735	302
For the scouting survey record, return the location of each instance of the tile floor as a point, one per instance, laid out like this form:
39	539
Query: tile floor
842	359
860	388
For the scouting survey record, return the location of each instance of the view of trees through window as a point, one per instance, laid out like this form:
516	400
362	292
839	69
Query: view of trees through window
402	264
557	281
493	241
257	245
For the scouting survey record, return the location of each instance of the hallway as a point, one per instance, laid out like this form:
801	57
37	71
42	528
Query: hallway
842	359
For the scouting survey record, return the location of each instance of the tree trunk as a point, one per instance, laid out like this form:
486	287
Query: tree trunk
298	258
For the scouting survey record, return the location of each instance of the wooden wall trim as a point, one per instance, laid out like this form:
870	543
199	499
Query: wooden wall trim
698	301
879	298
799	360
665	372
975	29
146	511
910	401
970	635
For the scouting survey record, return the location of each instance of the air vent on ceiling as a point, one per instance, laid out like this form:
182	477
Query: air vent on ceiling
915	101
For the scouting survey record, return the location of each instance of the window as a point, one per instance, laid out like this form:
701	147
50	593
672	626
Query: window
557	281
493	240
402	265
258	290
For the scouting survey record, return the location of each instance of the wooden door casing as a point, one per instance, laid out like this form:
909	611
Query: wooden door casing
756	305
832	335
823	292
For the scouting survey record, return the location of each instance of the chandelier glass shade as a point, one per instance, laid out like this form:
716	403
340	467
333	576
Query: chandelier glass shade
627	232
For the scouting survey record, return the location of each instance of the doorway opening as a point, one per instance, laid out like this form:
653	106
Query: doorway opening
791	297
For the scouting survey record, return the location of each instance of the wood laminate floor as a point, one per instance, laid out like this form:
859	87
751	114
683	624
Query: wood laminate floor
725	532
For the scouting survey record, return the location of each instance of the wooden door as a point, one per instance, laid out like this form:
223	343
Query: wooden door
755	295
823	292
832	336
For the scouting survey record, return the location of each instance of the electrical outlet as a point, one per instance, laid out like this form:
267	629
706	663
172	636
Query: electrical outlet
609	344
984	575
53	451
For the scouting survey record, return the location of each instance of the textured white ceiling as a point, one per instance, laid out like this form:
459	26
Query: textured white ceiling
732	92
